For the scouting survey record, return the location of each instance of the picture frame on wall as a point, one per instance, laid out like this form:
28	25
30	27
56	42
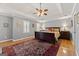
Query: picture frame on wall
33	25
6	25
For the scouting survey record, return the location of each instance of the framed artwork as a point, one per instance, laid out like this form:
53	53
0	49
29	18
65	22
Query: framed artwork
5	24
33	25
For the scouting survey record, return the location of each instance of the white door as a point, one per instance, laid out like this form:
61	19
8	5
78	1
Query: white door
76	32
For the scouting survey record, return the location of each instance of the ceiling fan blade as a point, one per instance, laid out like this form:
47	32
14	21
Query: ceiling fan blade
34	13
45	13
45	9
37	9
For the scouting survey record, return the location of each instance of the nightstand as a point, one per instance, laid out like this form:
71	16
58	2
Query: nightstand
65	35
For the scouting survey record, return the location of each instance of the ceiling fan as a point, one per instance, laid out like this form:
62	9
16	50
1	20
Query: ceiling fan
41	11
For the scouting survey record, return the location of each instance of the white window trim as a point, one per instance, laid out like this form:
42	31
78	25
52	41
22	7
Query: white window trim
26	27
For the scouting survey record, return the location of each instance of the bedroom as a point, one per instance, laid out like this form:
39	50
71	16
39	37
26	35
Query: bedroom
25	30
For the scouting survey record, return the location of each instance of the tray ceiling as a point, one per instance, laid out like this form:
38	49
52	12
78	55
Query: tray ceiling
55	10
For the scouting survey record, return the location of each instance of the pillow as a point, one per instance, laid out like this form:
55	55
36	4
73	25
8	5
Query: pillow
55	30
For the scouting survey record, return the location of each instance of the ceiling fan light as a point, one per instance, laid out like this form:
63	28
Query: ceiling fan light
42	14
38	13
41	11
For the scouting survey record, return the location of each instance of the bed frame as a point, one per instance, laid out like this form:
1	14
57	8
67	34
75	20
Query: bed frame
45	37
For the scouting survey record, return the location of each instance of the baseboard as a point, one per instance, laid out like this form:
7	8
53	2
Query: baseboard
6	40
16	39
23	38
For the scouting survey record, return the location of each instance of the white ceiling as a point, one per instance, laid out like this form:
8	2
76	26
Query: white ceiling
55	10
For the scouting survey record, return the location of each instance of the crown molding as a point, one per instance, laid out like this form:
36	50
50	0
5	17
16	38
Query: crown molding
14	13
60	18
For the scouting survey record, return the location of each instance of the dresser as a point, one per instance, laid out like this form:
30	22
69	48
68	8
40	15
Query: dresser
65	35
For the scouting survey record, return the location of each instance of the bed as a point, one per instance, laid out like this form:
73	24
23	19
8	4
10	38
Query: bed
51	34
55	30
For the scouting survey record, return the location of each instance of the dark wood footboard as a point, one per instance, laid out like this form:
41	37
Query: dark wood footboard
45	36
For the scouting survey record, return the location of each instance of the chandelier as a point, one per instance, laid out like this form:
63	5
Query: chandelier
41	11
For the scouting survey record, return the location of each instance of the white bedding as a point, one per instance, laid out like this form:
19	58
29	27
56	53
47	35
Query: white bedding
57	34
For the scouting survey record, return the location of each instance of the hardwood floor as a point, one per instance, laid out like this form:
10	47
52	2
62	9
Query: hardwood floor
66	48
8	43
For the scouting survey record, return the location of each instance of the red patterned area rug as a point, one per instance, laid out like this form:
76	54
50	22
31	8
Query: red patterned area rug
31	48
52	51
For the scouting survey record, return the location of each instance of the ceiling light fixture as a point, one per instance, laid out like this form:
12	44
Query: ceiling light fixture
41	11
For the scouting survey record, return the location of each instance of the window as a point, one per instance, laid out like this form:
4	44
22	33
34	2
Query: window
26	26
38	26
